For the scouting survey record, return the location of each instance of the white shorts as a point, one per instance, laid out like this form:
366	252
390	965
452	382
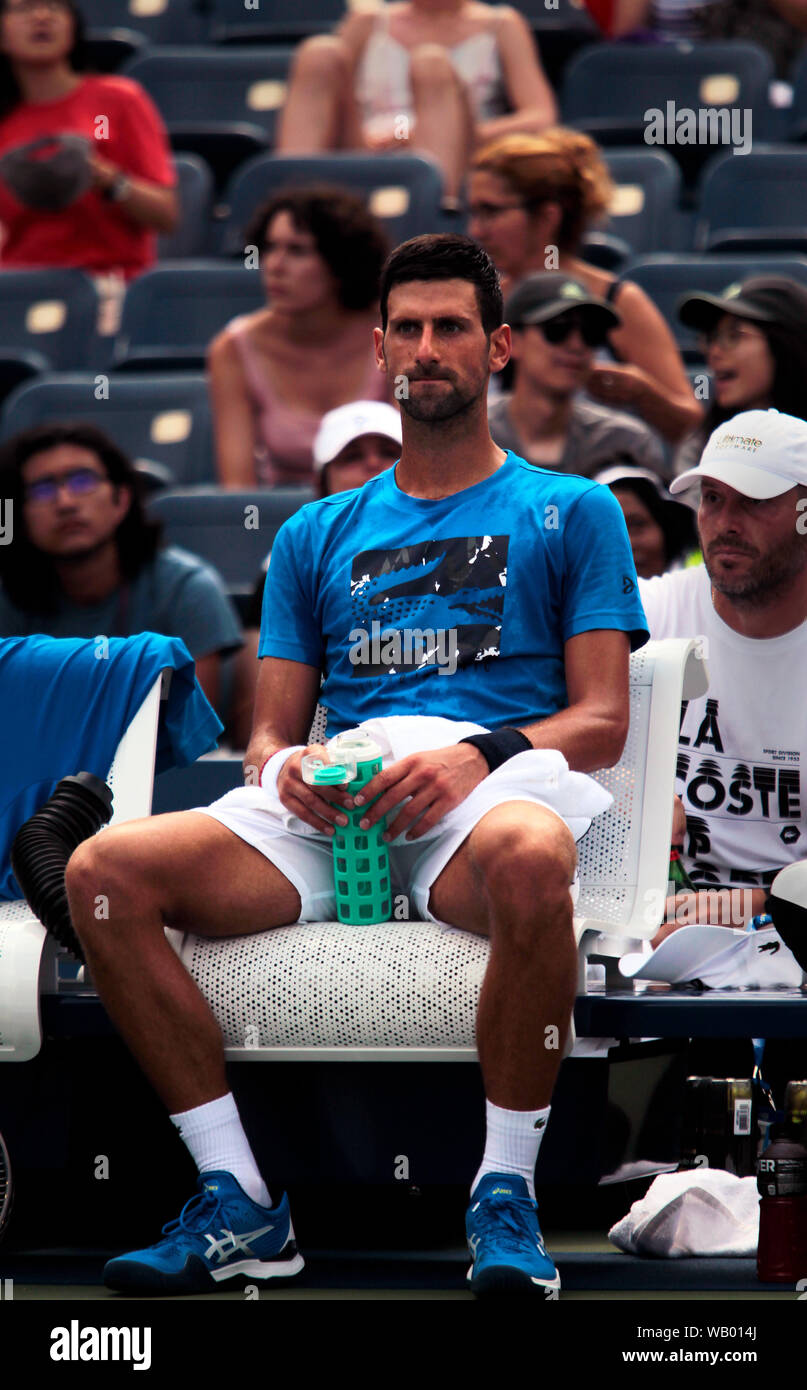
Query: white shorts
305	857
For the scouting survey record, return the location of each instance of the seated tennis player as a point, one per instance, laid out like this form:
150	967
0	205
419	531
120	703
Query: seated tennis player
526	579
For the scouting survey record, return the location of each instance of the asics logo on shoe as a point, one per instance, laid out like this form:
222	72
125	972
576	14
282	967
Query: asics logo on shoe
505	1191
473	1242
231	1242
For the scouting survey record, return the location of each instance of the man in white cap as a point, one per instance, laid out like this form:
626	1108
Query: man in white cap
741	746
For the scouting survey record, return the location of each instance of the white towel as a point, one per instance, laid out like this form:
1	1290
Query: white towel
705	1211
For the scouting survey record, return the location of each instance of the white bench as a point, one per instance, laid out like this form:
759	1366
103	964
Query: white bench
400	991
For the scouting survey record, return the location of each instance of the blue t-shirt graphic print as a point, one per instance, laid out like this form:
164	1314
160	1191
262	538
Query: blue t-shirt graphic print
436	603
458	607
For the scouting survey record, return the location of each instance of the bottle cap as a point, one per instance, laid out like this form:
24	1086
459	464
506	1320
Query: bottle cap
356	745
317	773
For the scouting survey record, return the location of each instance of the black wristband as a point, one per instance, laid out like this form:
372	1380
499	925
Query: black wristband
496	748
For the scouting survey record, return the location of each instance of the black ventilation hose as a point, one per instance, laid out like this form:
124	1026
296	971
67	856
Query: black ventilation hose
77	809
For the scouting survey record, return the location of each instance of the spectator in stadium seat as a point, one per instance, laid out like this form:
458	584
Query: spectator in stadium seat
755	342
741	744
531	199
557	326
84	561
432	77
354	443
661	530
276	372
776	25
97	205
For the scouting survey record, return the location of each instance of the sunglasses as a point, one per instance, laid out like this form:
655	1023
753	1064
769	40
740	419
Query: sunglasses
78	482
559	329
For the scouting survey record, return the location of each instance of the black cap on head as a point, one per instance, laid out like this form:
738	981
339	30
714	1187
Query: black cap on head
762	299
547	294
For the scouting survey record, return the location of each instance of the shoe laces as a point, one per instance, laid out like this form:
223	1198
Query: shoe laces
508	1220
200	1211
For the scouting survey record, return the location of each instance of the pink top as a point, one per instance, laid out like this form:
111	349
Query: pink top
285	432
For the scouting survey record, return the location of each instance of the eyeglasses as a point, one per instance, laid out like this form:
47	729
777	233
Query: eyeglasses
559	329
78	482
488	212
25	6
728	336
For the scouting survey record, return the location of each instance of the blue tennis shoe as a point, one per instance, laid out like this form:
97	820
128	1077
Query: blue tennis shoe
505	1241
220	1234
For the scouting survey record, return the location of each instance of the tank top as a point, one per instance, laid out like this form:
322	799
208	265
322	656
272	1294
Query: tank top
285	433
384	89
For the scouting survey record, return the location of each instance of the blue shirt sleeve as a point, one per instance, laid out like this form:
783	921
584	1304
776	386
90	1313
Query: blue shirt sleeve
601	589
289	623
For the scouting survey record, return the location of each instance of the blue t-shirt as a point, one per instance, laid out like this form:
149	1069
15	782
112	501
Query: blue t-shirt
458	607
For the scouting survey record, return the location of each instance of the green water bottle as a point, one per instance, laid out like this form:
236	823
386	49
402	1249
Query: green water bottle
678	878
360	857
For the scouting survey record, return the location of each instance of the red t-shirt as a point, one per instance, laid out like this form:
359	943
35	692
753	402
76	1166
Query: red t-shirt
92	234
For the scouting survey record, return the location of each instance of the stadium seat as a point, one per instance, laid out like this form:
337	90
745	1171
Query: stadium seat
171	313
159	21
107	50
667	279
233	531
644	210
161	418
756	203
50	313
797	115
275	21
404	191
195	191
609	88
219	103
560	31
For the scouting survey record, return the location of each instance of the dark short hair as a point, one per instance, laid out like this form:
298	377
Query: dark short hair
446	257
29	576
675	519
10	94
350	240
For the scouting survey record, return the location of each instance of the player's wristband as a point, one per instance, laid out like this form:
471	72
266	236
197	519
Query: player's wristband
497	747
271	769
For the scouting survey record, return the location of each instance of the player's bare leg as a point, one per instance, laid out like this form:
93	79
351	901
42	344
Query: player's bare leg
184	870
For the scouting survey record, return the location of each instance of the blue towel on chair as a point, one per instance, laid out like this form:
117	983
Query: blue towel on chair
65	704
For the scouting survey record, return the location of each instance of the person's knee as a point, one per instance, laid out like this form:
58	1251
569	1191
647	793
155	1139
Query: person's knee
525	866
431	70
99	885
323	58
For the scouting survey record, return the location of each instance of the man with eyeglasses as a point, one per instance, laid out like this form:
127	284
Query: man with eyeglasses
82	560
557	328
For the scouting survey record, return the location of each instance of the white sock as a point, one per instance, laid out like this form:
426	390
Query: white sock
215	1139
512	1142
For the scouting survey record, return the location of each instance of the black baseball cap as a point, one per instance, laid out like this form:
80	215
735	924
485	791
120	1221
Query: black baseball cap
762	298
547	294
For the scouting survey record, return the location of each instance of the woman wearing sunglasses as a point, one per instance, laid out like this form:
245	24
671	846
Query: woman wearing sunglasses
557	329
531	199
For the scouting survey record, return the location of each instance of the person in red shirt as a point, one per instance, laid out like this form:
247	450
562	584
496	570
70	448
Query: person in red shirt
109	229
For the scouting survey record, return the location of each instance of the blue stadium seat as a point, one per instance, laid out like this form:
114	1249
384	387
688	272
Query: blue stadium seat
667	279
159	21
797	115
195	192
275	21
171	313
608	88
644	212
232	530
561	30
754	203
404	191
219	103
51	314
161	418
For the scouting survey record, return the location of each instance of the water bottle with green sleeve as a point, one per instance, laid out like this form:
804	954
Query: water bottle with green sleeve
360	857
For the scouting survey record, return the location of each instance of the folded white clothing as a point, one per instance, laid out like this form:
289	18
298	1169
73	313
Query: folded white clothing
704	1211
